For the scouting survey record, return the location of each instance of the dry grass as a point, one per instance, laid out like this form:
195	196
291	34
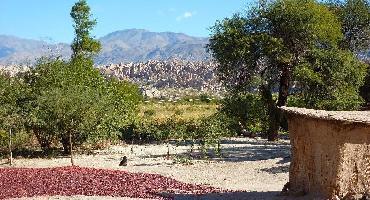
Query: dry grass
182	110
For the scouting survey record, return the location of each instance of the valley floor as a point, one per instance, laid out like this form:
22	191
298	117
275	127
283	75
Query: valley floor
255	167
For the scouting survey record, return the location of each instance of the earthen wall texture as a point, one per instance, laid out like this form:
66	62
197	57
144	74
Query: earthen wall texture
330	157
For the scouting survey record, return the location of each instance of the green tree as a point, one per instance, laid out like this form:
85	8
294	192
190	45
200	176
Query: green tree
330	80
266	46
69	104
365	89
84	45
70	101
355	18
11	94
246	111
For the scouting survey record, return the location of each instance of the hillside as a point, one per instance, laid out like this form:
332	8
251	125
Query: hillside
167	78
133	45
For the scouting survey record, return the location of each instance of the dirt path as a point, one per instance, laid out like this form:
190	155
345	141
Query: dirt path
256	167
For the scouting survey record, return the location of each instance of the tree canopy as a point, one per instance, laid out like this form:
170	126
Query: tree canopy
83	44
267	47
62	101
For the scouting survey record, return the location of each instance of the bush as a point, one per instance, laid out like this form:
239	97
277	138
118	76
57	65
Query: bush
19	141
246	109
74	99
205	98
205	131
149	113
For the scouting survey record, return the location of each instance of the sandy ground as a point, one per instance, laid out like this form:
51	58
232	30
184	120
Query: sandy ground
255	167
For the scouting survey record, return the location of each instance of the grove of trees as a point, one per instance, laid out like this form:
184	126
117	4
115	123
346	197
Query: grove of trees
67	101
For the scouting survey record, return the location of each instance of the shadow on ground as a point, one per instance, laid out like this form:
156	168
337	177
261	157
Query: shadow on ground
240	151
36	153
232	196
278	169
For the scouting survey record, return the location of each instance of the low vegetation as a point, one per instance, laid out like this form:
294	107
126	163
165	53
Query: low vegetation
283	52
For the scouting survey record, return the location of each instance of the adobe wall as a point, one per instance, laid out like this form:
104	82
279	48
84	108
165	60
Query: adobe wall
330	153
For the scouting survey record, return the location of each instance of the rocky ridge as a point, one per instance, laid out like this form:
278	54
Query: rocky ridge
158	79
166	79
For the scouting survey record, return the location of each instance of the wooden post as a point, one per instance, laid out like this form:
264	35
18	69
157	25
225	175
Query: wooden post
168	152
71	146
10	147
71	149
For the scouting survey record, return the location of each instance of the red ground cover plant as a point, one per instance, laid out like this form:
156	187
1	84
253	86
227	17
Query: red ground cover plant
70	181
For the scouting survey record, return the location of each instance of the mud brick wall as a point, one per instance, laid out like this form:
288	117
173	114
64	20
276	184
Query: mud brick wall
330	153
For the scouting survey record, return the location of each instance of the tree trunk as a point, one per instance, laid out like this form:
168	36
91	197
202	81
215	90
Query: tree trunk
274	124
284	87
44	142
273	127
275	115
66	144
10	148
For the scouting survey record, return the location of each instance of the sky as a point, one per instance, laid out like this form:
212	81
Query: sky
49	20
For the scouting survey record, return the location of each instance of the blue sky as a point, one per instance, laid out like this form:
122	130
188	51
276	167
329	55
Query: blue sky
49	19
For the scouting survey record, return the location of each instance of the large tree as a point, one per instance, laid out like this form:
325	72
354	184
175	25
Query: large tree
268	44
355	18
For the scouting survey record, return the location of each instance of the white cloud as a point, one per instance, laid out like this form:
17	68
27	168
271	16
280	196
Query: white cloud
186	15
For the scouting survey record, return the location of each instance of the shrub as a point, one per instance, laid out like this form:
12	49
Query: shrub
248	109
205	98
149	113
74	99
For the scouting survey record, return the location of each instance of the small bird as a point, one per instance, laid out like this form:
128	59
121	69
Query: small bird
123	161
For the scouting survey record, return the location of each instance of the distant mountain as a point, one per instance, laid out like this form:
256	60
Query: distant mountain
15	50
133	45
139	45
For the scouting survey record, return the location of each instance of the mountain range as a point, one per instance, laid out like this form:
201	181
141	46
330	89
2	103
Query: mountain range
132	45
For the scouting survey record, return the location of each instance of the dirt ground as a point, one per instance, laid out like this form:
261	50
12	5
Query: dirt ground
253	168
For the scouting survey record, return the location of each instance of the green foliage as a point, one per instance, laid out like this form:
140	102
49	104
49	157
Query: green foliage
83	44
205	98
179	112
19	141
355	18
72	98
252	49
149	113
246	109
211	129
331	80
272	41
365	89
183	160
12	94
205	131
